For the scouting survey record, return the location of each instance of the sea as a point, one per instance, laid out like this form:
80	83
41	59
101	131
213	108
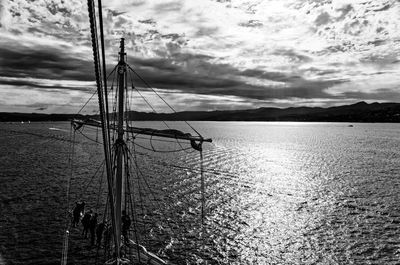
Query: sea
274	193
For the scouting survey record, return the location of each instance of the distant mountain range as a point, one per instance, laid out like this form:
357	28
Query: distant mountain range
359	112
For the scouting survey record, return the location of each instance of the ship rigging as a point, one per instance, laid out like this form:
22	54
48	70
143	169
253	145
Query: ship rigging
118	138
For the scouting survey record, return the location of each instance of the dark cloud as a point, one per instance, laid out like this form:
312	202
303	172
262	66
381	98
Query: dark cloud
385	7
354	28
378	94
168	6
116	13
345	46
120	21
376	42
206	31
292	55
322	19
148	21
55	8
128	5
185	72
251	24
43	62
15	13
172	36
321	72
41	108
195	74
300	4
49	85
345	11
381	59
380	29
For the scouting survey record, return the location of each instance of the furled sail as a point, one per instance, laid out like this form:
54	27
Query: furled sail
167	133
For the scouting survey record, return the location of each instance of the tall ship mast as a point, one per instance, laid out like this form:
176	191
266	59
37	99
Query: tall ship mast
118	140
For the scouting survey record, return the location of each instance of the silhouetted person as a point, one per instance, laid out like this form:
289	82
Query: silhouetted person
86	223
99	233
77	212
92	228
126	224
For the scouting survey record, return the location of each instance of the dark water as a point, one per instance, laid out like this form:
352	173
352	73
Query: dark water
277	193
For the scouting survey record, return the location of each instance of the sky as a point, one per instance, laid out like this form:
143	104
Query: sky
204	54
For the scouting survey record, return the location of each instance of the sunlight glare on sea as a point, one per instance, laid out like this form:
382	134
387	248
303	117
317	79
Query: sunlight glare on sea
276	193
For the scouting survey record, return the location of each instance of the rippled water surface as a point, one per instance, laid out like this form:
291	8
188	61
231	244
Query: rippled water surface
276	193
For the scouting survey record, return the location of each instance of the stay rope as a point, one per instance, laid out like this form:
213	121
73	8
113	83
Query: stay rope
93	94
202	189
144	98
203	202
155	92
64	255
84	105
154	202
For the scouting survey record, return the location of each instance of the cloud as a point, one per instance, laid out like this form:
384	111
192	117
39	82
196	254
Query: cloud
198	75
48	83
249	52
28	99
115	13
148	21
43	62
322	19
383	8
251	24
171	6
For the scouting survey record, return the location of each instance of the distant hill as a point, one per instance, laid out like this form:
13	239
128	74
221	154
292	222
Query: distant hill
359	112
15	116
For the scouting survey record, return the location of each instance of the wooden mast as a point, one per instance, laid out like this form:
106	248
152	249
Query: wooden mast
120	143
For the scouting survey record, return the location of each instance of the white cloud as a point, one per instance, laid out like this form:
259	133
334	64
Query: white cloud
28	99
373	83
51	83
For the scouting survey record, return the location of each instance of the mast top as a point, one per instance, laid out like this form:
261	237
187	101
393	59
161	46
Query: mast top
122	52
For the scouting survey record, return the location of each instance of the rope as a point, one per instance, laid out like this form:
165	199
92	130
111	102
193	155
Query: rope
87	137
152	108
202	189
158	206
158	140
104	118
115	67
144	98
86	103
203	228
86	187
100	191
67	225
133	205
164	151
104	65
140	198
155	92
71	163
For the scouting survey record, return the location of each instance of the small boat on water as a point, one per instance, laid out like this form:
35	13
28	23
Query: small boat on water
119	136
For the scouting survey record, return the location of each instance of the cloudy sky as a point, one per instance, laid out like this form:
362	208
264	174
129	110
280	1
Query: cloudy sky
205	55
